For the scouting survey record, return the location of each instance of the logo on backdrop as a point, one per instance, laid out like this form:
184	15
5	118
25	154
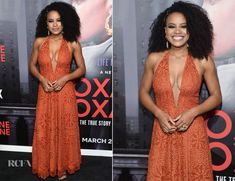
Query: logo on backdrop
19	163
5	128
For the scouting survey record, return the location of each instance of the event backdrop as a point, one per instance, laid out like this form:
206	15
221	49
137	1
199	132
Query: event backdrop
132	123
18	89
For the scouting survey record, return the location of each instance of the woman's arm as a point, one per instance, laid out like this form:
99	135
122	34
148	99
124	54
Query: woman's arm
166	122
47	85
212	82
34	59
81	68
146	85
211	79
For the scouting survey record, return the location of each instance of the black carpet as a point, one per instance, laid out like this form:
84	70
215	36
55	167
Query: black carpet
15	166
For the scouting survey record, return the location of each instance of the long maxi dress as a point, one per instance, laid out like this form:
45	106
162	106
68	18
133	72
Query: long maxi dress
56	140
181	156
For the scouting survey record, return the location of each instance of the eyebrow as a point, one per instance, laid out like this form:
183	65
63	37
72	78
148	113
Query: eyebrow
53	18
175	24
180	23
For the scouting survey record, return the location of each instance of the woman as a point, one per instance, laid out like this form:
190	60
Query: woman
179	59
56	141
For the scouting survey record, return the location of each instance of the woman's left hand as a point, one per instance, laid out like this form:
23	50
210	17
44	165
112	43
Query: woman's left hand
59	84
184	120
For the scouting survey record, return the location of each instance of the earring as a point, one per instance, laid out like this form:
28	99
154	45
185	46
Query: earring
48	32
109	30
187	45
167	44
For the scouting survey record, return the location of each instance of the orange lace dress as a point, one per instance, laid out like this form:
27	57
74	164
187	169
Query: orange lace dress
181	156
56	140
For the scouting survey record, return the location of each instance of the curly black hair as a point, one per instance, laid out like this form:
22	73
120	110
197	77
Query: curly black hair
69	19
199	28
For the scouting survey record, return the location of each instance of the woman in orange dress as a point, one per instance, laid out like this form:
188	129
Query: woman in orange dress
56	141
179	60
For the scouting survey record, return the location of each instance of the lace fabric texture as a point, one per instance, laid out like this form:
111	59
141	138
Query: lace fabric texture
181	156
56	140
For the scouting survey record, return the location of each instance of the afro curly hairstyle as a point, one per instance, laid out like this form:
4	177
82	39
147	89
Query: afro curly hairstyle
69	19
199	28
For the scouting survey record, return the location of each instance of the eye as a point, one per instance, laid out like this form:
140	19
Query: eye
170	26
49	21
184	26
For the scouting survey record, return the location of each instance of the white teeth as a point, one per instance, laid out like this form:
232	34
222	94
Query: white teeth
177	37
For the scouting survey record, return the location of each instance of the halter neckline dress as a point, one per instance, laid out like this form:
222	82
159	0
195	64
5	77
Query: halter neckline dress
181	156
56	140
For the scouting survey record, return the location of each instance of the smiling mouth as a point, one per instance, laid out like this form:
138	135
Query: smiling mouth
177	38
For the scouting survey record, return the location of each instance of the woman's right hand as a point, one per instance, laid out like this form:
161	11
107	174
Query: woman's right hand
47	85
166	122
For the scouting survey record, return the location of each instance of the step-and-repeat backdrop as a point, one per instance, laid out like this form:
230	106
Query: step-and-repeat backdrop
132	20
18	89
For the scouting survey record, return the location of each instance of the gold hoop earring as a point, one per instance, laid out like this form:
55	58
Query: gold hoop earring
48	32
167	44
109	30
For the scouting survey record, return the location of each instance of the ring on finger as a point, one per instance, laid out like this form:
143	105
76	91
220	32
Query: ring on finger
183	128
165	131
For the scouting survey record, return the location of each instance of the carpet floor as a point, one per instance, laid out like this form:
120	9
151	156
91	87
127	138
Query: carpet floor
16	166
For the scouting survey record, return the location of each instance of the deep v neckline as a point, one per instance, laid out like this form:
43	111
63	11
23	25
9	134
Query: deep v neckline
176	101
58	56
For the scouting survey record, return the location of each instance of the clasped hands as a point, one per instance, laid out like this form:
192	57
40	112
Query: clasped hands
57	85
180	123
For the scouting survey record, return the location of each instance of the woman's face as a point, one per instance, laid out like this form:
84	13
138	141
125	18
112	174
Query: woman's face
176	30
54	24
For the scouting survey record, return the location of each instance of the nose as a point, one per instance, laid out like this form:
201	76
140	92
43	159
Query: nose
177	29
55	23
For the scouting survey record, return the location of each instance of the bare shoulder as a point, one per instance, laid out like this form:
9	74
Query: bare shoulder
207	64
208	61
154	59
39	41
75	45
